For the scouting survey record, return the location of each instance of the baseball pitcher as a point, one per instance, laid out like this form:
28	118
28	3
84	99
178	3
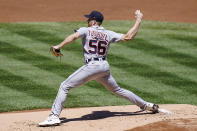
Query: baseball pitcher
96	41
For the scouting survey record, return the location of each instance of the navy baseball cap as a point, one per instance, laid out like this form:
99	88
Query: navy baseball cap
95	15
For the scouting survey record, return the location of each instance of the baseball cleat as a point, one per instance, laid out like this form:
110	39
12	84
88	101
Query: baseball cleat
152	107
50	121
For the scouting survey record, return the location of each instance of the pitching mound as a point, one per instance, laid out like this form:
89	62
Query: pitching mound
170	125
111	118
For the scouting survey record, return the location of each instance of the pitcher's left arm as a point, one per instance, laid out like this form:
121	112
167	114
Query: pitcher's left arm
68	40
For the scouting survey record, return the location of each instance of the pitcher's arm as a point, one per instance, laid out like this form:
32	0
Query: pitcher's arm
133	31
68	40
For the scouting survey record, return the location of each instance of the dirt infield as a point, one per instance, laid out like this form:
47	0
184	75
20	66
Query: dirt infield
69	10
110	118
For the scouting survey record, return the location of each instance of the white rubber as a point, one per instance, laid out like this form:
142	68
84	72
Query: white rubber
165	111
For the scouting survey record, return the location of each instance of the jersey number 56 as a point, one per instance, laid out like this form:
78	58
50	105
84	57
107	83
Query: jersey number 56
97	47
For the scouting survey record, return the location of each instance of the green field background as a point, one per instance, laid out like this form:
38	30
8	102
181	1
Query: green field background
159	65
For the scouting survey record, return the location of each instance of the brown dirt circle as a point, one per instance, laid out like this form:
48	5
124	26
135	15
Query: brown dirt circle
170	125
110	118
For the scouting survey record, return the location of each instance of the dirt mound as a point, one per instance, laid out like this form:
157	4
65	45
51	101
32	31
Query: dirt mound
170	125
69	10
116	118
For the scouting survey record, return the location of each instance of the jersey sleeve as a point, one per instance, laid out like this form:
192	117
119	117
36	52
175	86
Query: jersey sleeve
82	31
115	37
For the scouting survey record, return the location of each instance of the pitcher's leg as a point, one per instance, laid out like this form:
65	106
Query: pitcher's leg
110	83
60	99
77	78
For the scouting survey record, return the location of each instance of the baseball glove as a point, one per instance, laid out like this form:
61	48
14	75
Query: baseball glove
55	52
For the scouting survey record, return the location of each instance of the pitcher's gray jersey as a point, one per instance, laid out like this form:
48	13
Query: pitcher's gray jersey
96	41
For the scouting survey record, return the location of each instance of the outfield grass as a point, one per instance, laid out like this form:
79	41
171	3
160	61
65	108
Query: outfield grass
159	65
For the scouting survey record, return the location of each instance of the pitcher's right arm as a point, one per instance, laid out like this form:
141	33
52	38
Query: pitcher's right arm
133	31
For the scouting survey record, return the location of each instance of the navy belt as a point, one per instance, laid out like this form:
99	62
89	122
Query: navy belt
95	59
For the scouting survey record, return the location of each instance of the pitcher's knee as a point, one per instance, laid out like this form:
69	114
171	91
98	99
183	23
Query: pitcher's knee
116	89
65	87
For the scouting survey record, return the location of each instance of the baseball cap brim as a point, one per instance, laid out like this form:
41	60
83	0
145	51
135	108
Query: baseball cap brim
87	16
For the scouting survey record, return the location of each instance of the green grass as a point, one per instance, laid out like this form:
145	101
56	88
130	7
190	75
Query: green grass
159	65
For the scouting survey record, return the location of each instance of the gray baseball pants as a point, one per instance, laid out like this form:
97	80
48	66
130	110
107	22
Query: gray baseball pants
94	70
